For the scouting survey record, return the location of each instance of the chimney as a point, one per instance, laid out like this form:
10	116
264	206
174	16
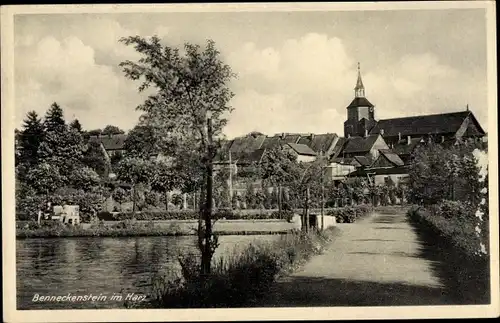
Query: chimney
366	133
409	140
382	132
399	135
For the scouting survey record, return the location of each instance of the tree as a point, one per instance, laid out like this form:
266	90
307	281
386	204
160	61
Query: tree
30	138
96	158
112	130
75	124
164	179
45	178
84	178
191	87
94	132
54	119
141	142
135	171
64	148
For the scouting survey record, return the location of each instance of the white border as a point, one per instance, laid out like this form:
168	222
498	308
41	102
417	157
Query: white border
317	313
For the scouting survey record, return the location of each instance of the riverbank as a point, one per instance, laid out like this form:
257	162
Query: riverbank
153	228
243	278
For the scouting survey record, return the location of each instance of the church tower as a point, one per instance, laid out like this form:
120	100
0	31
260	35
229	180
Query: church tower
360	113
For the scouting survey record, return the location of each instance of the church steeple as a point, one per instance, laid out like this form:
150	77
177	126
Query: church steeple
359	90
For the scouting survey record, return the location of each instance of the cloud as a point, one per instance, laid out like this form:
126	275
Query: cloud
66	72
305	84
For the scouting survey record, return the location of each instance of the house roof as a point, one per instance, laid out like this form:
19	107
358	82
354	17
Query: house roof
360	102
338	147
318	143
254	156
346	161
110	142
247	143
360	144
302	149
363	161
404	148
271	142
423	125
391	156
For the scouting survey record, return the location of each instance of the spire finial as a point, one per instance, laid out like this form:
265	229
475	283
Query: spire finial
467	106
359	90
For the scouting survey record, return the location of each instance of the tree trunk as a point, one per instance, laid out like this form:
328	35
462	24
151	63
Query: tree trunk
133	197
206	257
279	200
166	200
307	209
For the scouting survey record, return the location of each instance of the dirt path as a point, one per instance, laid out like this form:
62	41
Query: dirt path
375	261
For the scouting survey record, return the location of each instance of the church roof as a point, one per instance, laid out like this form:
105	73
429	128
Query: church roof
422	125
360	102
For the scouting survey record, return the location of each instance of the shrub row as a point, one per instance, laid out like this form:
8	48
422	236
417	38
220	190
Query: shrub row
120	229
241	279
450	227
349	214
192	215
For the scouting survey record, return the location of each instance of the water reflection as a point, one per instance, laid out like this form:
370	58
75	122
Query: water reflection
102	266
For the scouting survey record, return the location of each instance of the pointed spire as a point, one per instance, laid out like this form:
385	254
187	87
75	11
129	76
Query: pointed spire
359	90
467	107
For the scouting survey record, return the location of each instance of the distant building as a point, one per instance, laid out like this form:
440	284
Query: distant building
379	150
112	144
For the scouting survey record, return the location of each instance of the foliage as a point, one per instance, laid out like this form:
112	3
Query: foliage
111	130
44	178
349	214
95	157
54	119
84	178
439	172
120	195
190	86
30	139
141	142
279	167
76	125
94	132
135	170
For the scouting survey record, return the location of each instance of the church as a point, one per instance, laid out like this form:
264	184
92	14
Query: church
375	149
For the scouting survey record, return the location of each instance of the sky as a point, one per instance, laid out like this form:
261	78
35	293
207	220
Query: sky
296	70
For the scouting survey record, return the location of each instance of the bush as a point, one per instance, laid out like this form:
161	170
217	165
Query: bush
349	214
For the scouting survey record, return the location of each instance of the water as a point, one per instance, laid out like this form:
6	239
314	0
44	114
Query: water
103	267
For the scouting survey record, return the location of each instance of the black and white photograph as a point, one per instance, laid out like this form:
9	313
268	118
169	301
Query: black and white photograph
249	161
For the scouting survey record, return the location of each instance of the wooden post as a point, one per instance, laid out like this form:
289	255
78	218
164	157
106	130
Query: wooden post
322	205
279	200
307	208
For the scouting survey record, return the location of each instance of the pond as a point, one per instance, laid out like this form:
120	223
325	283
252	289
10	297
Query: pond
104	269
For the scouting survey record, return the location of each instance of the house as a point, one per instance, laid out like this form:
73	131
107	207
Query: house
113	144
303	152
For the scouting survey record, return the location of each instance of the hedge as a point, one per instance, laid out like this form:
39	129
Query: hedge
349	214
450	227
192	215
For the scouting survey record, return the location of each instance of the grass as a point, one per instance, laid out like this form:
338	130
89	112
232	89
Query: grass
241	278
